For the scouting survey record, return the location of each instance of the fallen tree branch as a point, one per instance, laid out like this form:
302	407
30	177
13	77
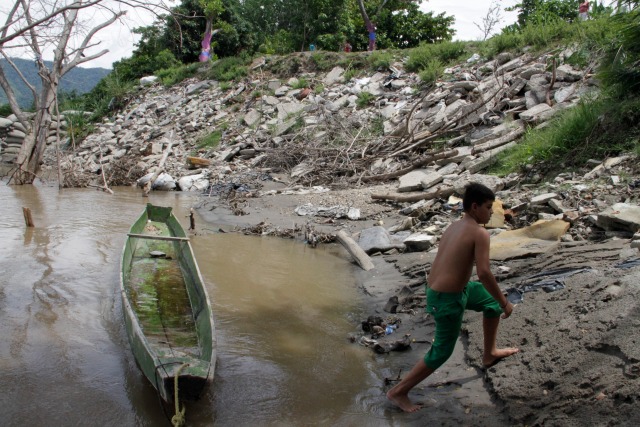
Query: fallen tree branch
400	198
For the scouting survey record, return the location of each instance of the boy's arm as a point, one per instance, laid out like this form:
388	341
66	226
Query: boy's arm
483	269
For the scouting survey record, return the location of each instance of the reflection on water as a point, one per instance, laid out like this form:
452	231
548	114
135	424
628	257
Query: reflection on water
282	313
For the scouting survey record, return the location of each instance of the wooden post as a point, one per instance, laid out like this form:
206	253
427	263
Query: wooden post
27	217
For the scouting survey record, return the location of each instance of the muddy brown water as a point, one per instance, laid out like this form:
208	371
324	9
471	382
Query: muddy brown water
282	311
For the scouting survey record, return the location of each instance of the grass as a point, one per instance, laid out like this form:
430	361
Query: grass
174	75
364	98
210	141
301	83
228	69
592	129
423	57
380	59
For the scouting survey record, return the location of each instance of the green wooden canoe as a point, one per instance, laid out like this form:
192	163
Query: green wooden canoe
166	308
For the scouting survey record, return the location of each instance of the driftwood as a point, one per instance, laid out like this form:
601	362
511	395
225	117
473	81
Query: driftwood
355	250
105	186
400	198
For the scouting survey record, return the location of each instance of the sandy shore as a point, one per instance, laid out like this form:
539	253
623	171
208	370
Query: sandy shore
579	360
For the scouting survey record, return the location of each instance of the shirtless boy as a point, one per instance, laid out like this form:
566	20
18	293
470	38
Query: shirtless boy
449	293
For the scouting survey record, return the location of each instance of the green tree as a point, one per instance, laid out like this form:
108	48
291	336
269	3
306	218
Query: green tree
544	10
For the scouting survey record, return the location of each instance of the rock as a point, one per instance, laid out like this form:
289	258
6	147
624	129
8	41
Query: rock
164	182
375	239
148	80
542	199
418	242
412	181
533	114
494	183
565	72
621	216
194	182
334	76
252	117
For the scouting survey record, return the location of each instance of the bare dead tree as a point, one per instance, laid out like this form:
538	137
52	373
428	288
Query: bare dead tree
66	29
490	20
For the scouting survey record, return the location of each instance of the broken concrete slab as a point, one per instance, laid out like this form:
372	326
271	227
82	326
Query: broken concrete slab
621	216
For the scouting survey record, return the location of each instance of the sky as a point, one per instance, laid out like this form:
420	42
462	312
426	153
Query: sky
119	38
468	12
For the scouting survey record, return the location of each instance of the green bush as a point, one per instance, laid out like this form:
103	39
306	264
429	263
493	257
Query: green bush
232	68
592	129
173	75
380	59
432	72
620	70
421	57
505	42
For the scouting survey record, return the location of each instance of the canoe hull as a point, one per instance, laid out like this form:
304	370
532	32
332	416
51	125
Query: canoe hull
166	308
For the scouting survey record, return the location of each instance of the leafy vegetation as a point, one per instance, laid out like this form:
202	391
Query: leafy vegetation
364	98
210	141
423	56
597	128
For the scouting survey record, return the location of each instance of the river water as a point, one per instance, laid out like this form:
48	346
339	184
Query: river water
282	311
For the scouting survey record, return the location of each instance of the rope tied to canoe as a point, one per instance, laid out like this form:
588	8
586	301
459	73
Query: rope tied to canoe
178	420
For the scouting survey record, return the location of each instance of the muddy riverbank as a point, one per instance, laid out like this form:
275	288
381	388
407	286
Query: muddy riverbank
579	362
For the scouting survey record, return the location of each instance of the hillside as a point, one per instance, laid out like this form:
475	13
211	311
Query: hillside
79	80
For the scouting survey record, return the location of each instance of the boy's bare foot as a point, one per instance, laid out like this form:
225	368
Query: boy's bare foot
403	402
497	355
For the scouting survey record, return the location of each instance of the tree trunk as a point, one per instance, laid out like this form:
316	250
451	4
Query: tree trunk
32	150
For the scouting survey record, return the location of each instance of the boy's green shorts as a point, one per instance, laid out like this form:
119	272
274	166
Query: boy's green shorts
448	309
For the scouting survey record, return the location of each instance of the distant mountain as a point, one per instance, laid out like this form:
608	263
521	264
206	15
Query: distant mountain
80	80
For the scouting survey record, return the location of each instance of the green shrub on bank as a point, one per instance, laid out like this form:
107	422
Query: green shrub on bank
590	130
380	59
432	72
232	68
446	53
174	75
210	141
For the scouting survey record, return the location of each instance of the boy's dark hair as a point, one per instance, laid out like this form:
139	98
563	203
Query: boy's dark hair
476	193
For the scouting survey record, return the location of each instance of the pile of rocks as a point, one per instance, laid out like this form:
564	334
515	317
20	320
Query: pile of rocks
483	107
12	134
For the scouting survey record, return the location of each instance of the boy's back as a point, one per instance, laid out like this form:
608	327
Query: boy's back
453	265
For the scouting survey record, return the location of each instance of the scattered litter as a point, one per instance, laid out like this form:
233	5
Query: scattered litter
553	280
630	263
